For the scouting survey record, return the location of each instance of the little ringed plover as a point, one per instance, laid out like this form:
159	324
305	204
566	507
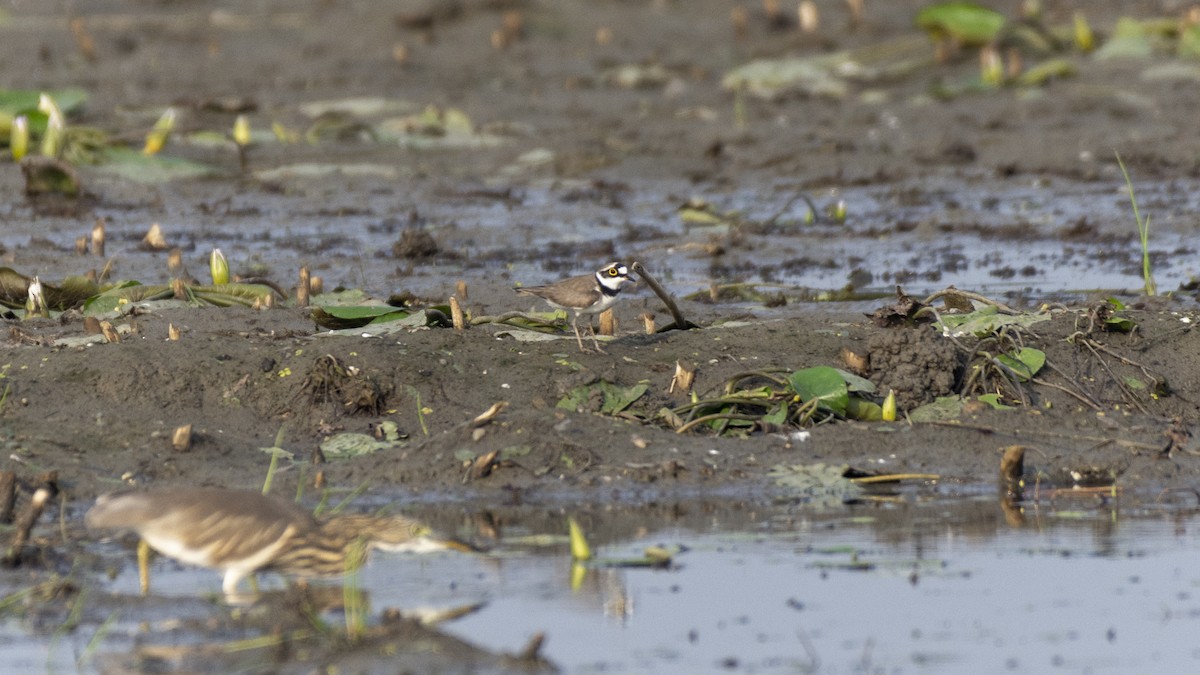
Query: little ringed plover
585	294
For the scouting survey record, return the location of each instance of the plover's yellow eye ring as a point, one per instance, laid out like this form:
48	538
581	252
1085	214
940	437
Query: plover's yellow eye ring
613	271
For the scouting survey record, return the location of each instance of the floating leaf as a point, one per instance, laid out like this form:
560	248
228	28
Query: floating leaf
966	23
823	384
817	481
1130	39
134	166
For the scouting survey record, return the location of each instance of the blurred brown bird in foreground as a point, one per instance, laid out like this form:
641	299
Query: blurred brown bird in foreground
240	532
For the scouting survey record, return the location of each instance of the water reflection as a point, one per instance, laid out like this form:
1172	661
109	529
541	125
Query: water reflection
921	584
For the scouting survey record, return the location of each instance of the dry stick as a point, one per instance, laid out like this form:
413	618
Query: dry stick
680	322
8	495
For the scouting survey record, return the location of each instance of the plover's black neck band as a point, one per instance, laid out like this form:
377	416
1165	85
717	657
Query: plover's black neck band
605	289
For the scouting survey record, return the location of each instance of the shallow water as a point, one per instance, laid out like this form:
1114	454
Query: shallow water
917	585
994	237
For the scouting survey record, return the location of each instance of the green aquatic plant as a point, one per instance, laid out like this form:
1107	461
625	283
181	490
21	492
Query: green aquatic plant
1143	227
773	399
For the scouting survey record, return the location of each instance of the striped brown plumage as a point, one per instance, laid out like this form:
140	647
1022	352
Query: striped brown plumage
240	532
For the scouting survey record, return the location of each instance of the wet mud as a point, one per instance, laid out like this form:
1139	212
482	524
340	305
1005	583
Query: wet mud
1012	193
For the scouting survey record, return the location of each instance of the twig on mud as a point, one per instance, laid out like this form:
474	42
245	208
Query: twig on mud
1080	394
1000	306
499	318
1081	398
1092	346
680	322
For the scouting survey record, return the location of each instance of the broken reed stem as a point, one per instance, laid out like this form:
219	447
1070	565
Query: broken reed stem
608	323
8	496
648	321
276	451
680	322
303	288
98	238
29	518
1012	469
456	314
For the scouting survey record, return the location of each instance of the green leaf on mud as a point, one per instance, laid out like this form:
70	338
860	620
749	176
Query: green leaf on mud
966	23
854	383
340	317
863	410
615	398
986	321
124	293
15	102
227	295
943	408
1130	38
347	445
778	416
823	384
994	401
1053	69
1133	382
1025	363
158	168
